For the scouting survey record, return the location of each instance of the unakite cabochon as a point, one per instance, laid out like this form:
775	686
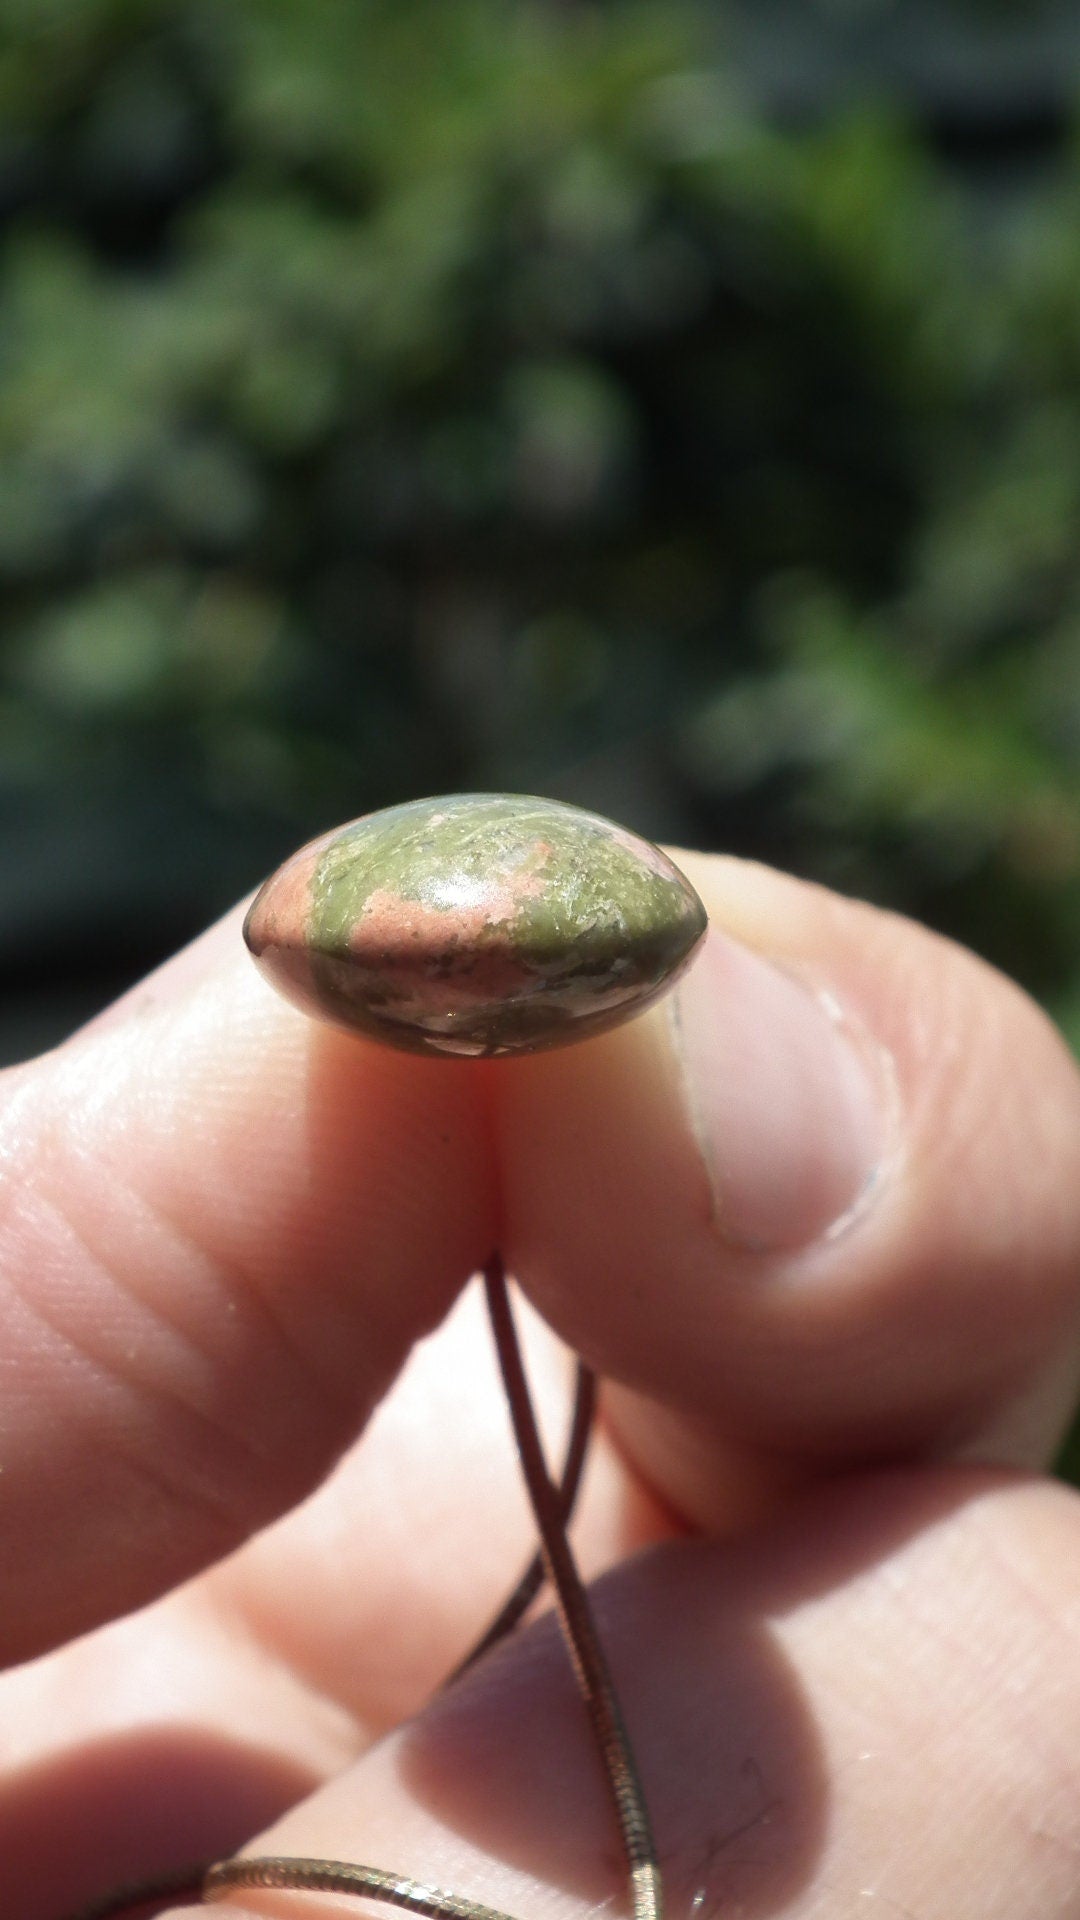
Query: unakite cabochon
477	924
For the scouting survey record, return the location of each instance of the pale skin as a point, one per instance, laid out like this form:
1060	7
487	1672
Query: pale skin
841	1598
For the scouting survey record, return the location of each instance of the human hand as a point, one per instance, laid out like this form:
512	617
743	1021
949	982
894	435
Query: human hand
830	1260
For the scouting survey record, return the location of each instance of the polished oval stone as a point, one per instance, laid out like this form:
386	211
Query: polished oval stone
476	924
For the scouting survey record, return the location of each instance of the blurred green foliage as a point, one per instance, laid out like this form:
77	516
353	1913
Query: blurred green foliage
402	395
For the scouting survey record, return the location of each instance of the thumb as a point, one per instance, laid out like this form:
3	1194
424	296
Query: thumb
821	1208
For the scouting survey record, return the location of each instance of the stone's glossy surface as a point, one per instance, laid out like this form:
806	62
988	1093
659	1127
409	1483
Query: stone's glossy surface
477	924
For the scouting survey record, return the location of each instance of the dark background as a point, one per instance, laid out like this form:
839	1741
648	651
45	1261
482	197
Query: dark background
672	408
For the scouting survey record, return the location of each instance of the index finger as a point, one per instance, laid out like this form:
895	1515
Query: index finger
222	1228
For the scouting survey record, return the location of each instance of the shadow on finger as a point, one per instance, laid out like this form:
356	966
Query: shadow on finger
130	1808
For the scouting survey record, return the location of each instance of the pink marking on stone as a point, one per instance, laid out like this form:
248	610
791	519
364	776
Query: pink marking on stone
279	916
276	925
468	951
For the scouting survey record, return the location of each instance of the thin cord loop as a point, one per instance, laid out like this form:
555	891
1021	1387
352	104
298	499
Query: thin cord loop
579	1630
340	1876
520	1599
551	1506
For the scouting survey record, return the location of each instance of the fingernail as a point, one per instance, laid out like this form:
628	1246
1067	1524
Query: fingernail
788	1102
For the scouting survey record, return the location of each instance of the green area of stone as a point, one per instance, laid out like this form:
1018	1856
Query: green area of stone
600	904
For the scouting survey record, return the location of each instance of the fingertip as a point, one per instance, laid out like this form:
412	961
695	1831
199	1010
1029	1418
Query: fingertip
224	1227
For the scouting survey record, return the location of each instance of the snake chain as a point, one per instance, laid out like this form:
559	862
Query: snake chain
551	1505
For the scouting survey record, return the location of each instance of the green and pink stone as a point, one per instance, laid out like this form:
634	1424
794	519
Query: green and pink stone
476	924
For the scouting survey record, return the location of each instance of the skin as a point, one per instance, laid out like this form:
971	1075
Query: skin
838	1592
